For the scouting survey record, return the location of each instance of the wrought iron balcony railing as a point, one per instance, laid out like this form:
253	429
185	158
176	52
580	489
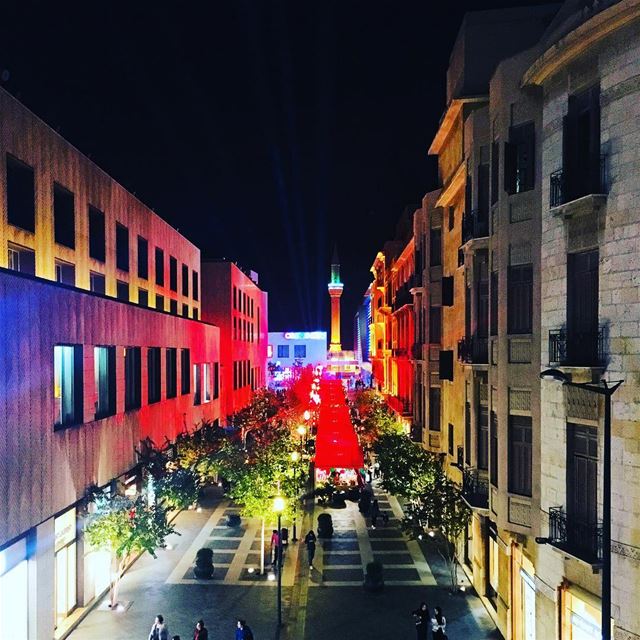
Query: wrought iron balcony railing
474	225
577	349
473	350
475	488
563	190
580	539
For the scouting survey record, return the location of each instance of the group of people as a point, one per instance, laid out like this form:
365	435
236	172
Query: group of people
437	623
160	630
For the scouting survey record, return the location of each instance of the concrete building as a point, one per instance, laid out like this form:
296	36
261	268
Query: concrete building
289	349
98	352
233	301
587	72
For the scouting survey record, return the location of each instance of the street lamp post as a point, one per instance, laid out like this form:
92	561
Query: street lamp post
607	391
278	507
295	456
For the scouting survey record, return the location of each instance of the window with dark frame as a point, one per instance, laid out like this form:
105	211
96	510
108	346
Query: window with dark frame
97	283
64	219
154	375
185	371
435	248
434	408
171	356
493	446
197	387
185	310
447	291
283	351
21	195
159	253
196	286
185	280
67	385
494	304
520	445
132	378
122	247
173	274
300	351
21	259
483	437
435	325
446	365
65	273
216	380
452	218
97	238
122	290
467	433
495	166
173	307
104	372
143	297
519	159
520	299
143	258
451	439
159	303
206	381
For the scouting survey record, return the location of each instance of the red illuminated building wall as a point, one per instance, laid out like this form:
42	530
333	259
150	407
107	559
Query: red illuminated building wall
232	301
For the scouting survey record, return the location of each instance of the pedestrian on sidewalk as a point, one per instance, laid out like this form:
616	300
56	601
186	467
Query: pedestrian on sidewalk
201	632
421	616
243	631
310	541
438	625
375	512
159	630
275	544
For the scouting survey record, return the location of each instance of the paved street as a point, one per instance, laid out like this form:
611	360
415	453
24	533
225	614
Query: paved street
328	602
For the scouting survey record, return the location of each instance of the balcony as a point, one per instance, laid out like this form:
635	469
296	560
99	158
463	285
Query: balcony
587	189
573	349
473	350
475	488
578	539
474	225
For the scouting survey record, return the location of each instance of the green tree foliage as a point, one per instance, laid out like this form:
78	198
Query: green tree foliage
199	450
124	527
377	419
178	489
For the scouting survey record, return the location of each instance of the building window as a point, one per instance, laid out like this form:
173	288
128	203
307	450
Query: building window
21	207
452	218
216	380
494	304
451	439
196	286
97	282
104	375
185	310
434	408
447	291
153	374
520	436
446	365
435	246
173	274
185	371
467	433
235	376
172	372
132	378
283	351
122	247
159	303
435	325
64	216
67	384
122	290
300	351
493	453
206	380
173	307
159	267
519	159
143	297
520	298
197	387
483	437
495	164
196	314
143	258
97	241
235	297
22	259
65	273
65	560
185	280
582	481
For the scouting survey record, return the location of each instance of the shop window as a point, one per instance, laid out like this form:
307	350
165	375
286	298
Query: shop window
159	267
132	378
197	387
97	282
64	216
300	351
143	258
153	375
65	273
206	379
283	351
172	372
185	280
185	371
65	565
22	259
21	201
67	385
173	274
97	244
122	247
104	375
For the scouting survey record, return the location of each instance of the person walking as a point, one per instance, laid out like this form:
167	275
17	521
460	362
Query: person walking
438	625
200	632
310	541
243	631
421	616
159	629
375	512
275	544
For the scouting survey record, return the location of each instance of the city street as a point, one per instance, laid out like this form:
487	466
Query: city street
327	602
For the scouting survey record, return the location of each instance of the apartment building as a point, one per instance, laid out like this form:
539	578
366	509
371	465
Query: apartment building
100	349
233	301
586	72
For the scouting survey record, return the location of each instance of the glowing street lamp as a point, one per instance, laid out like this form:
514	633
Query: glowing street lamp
278	507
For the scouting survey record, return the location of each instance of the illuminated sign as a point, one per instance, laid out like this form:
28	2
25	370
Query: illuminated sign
305	335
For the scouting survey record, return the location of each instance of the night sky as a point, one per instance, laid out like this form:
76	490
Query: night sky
263	131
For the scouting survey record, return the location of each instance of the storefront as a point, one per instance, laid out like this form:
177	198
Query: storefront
66	598
14	591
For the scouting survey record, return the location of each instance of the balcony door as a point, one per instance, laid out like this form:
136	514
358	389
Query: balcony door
582	474
582	307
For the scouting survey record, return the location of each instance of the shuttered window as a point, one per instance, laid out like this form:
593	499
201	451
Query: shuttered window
520	438
519	159
520	298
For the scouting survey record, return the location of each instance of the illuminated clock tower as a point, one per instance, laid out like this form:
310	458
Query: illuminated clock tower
335	291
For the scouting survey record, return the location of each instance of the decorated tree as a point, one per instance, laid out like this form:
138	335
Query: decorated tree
124	527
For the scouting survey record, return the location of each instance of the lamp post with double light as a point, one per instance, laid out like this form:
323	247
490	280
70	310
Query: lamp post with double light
278	507
605	389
